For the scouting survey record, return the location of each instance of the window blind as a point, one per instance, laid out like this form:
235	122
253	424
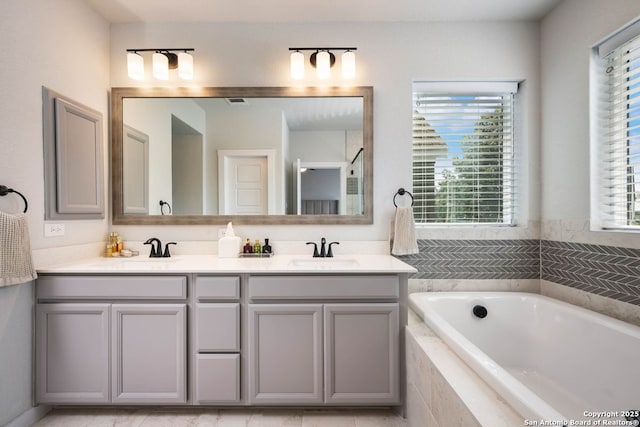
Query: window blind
463	157
619	134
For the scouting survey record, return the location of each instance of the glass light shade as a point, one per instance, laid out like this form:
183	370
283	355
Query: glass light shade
348	65
185	66
135	66
160	66
323	65
297	65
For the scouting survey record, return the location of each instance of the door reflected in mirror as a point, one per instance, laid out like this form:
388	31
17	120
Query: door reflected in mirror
267	152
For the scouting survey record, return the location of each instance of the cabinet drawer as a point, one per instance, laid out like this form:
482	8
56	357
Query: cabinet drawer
112	287
217	378
218	288
323	287
217	327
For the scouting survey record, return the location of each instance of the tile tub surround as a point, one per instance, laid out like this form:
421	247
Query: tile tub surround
476	259
518	265
442	391
607	271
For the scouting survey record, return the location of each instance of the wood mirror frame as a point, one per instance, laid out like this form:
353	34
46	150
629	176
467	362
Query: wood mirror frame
119	94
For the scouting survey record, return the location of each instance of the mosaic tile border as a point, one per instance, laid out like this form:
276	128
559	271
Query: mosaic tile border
609	271
476	259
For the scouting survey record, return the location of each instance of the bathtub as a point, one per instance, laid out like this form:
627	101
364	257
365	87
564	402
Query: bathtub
551	361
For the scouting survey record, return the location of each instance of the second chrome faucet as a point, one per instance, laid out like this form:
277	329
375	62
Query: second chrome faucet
324	252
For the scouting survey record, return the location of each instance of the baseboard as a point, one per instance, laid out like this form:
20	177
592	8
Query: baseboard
30	417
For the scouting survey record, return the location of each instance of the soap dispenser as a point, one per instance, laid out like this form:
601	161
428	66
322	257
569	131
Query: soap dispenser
229	245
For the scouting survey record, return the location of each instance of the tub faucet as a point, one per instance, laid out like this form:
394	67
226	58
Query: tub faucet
156	250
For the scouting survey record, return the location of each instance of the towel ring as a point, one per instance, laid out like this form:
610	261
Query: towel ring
4	190
402	192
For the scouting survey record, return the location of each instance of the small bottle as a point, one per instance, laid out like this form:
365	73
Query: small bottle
113	241
266	249
120	245
109	250
257	249
247	249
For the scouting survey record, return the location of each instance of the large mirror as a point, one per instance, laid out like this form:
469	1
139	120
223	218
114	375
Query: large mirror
265	155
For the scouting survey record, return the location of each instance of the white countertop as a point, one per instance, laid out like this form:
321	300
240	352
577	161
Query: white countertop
284	264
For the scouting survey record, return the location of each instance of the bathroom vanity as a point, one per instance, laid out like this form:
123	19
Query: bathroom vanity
199	330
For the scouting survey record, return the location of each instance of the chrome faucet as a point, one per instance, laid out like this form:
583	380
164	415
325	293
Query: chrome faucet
324	253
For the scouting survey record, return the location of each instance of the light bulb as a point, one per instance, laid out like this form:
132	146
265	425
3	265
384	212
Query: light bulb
135	66
297	65
185	66
323	65
348	65
160	66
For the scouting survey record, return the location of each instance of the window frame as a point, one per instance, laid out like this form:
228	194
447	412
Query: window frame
600	145
477	89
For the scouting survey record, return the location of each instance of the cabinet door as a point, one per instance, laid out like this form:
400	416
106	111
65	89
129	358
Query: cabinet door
217	378
361	353
72	353
148	353
217	327
285	354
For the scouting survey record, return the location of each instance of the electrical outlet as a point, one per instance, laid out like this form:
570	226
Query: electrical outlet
52	230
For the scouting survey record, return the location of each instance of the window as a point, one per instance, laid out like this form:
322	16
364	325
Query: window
617	138
463	152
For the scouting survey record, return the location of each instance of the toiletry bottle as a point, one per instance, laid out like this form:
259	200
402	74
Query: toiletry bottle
113	239
257	249
266	249
248	249
229	245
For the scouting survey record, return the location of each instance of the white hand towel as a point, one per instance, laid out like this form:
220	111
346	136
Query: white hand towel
15	250
403	232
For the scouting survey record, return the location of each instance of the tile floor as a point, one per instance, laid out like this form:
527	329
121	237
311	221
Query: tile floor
135	417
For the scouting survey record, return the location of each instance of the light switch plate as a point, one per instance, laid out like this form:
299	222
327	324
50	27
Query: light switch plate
52	230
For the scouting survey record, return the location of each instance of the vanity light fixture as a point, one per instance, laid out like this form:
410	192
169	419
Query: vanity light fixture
323	59
163	60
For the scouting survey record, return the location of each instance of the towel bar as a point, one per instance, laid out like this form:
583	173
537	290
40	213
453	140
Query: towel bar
402	192
4	190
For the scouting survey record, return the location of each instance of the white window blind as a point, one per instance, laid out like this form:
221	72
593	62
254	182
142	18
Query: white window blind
463	153
619	135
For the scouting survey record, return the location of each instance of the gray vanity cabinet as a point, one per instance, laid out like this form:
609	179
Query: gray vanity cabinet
361	353
216	343
72	361
148	353
285	353
127	348
318	346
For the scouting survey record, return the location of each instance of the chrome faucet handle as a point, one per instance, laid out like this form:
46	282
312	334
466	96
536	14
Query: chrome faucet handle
315	249
330	252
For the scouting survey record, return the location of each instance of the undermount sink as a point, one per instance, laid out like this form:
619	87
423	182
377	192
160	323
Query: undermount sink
324	262
153	263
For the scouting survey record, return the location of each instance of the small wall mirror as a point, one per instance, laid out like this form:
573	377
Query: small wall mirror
248	155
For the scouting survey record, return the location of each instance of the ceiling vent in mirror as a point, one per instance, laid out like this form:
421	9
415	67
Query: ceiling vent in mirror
237	101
